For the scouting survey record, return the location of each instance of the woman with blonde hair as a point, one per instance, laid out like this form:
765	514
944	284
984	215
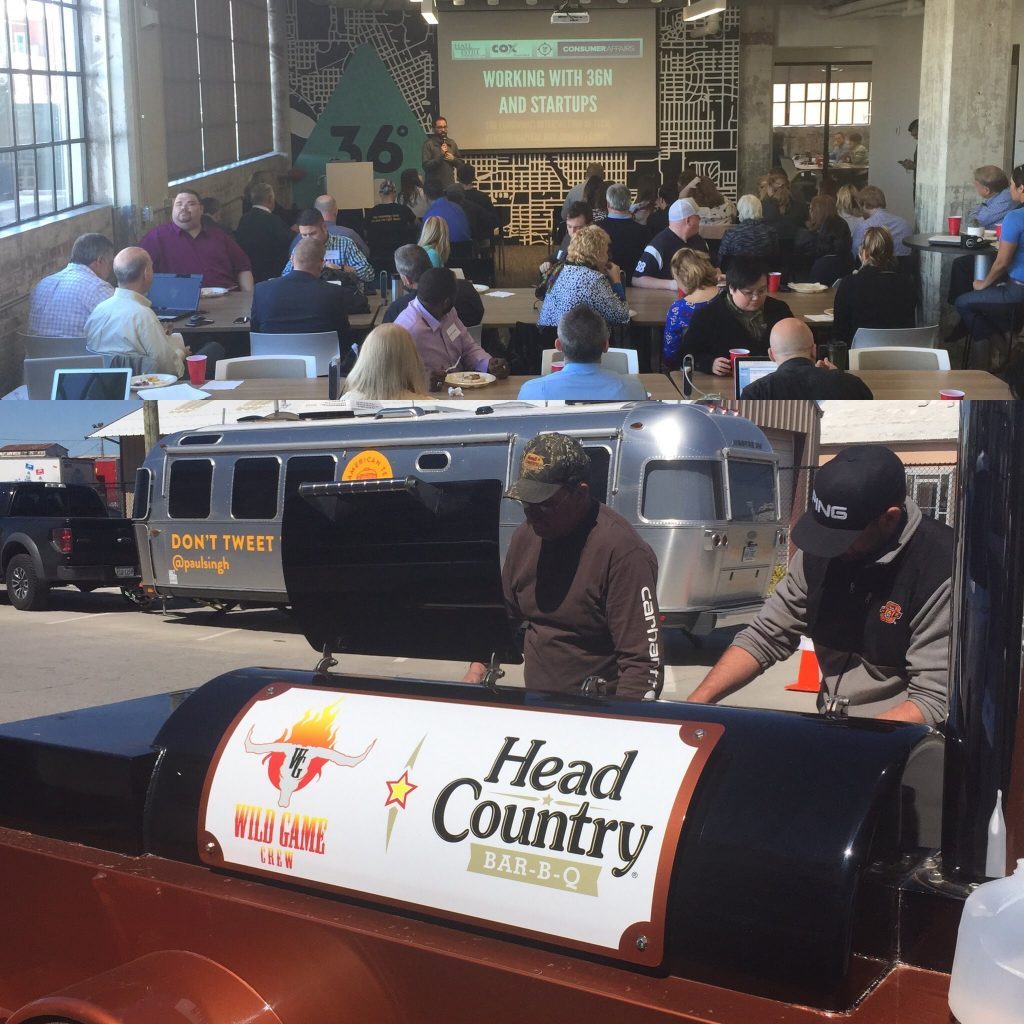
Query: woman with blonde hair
848	206
434	240
877	295
821	251
781	210
587	278
697	278
388	367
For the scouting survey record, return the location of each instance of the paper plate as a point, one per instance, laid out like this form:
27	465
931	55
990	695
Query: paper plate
480	287
808	288
213	293
470	380
153	380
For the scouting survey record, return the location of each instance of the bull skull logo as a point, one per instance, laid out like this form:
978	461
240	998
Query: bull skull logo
299	754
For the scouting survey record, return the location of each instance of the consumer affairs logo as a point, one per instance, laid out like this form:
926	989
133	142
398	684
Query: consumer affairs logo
298	756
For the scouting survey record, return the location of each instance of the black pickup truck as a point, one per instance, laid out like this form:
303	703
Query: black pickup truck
59	535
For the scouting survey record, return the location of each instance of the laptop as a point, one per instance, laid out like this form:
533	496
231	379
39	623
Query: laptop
749	370
111	384
175	295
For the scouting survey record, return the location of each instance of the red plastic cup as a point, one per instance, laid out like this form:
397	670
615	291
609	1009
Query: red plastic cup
774	281
734	354
953	224
952	394
196	369
999	231
555	367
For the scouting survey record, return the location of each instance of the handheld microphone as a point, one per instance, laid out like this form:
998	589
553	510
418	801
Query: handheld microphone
687	376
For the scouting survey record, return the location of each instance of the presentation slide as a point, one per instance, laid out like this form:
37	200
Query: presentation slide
516	82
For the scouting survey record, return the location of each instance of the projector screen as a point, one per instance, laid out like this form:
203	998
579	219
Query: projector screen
514	81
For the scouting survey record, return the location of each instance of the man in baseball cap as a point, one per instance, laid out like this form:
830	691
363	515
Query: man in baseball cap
389	226
870	586
580	581
654	268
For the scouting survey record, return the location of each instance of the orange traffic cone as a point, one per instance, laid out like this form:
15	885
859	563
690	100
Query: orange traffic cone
809	677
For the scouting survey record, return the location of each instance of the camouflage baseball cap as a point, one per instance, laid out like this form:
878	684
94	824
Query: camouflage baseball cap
386	187
550	462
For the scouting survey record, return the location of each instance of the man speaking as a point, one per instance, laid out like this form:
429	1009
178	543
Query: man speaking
441	154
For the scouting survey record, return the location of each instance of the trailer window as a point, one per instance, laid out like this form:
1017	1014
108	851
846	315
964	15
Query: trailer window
189	490
143	482
682	489
308	469
254	488
752	491
600	463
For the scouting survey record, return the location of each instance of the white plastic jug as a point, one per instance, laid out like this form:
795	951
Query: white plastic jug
987	985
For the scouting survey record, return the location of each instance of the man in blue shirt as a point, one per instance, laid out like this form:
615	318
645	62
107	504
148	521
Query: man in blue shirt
440	206
582	339
62	302
872	202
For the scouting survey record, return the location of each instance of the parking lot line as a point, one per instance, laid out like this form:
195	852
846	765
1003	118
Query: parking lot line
213	636
75	618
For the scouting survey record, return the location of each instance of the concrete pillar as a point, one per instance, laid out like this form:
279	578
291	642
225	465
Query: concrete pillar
964	111
757	49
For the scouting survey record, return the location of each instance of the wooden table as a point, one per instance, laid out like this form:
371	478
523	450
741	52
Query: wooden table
224	310
658	385
886	385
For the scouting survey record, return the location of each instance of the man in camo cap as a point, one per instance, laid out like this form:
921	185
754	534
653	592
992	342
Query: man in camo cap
579	580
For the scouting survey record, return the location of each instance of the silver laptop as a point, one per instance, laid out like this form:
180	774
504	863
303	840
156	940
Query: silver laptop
93	384
175	295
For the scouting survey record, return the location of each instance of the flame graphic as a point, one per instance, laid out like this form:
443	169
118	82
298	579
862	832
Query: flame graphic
312	730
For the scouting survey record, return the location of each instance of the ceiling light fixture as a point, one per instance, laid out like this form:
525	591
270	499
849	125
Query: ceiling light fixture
429	12
703	9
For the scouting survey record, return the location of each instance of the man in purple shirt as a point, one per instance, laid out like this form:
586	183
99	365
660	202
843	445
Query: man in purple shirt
185	246
444	344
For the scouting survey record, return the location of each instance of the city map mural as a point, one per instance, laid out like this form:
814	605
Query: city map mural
363	86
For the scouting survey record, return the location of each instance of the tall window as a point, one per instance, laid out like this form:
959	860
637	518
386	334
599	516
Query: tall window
42	115
802	103
217	98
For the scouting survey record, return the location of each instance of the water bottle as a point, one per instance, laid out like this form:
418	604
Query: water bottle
987	984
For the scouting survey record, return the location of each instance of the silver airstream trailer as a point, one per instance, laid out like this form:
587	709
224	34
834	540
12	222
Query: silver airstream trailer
700	487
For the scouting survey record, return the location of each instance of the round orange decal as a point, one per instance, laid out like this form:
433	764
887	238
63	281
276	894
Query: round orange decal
368	465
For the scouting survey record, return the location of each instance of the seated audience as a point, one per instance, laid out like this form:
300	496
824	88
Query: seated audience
411	263
848	207
434	241
453	215
857	152
184	246
328	207
582	340
264	237
838	150
697	279
646	200
575	194
411	194
654	268
821	251
988	308
595	196
712	206
872	202
657	219
466	177
388	367
389	225
587	278
62	302
878	295
300	302
782	210
741	317
125	324
442	340
343	256
751	237
481	226
799	376
628	238
580	216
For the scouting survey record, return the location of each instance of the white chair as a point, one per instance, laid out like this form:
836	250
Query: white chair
899	359
38	346
788	164
903	337
39	372
323	347
251	367
621	360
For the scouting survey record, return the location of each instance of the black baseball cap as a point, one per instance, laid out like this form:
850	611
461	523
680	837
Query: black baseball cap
850	493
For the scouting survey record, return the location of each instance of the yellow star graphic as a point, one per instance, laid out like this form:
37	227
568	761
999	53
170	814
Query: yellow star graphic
399	790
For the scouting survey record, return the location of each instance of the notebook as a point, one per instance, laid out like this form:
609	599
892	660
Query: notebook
112	384
944	239
175	295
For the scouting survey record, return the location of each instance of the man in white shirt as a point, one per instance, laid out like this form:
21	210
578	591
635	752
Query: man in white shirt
126	325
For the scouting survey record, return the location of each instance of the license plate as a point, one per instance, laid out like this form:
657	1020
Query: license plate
749	552
125	570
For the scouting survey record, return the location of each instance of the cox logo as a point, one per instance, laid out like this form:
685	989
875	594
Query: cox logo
504	48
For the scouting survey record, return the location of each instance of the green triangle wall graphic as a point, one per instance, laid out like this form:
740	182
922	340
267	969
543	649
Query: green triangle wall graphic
366	118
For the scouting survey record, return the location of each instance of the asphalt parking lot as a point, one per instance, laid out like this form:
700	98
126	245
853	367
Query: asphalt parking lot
91	649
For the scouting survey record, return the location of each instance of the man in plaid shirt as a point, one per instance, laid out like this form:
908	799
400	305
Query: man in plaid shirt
62	302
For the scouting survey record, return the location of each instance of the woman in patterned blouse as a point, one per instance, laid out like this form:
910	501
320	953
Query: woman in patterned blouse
586	279
698	280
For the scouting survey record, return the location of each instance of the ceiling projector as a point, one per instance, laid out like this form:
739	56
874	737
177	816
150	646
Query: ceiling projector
570	17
